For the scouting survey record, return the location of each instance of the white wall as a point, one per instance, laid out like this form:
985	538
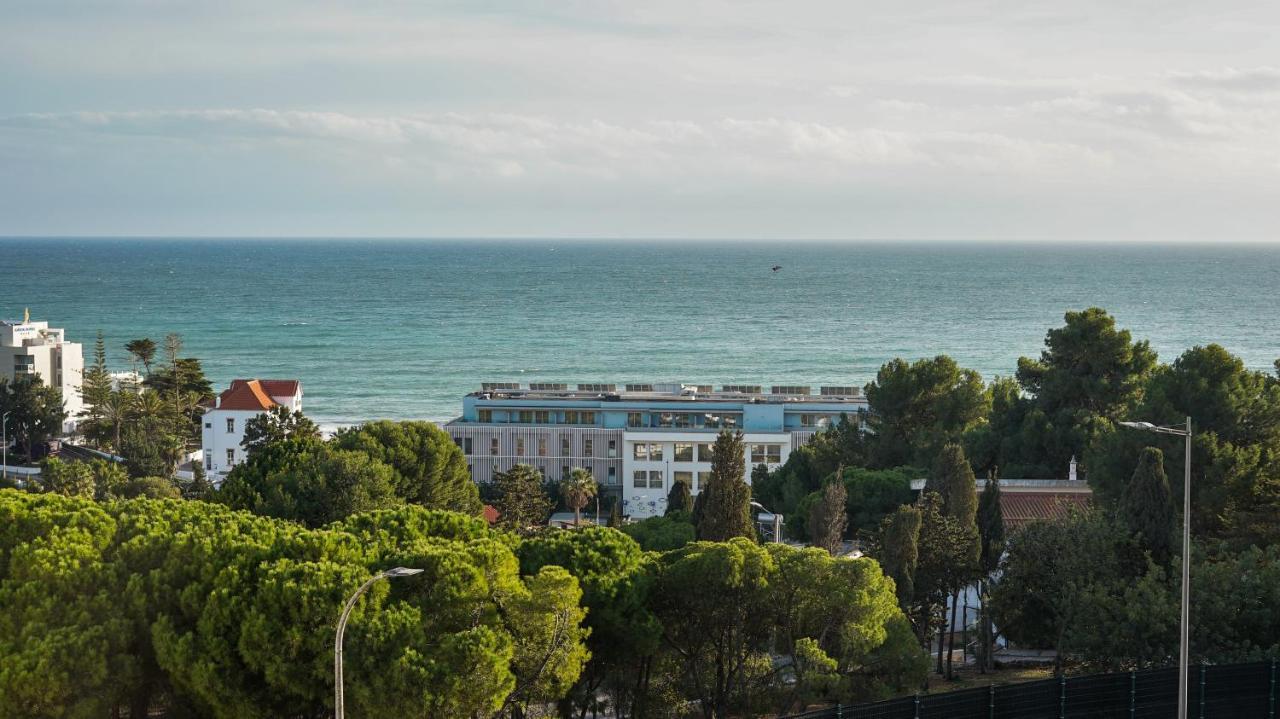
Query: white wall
640	503
216	440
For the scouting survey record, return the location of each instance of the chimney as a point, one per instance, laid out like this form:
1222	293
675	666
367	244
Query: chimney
1071	471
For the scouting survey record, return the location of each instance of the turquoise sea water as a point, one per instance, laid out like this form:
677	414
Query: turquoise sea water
402	329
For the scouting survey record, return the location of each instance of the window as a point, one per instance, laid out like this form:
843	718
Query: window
493	445
208	460
703	477
766	453
588	418
814	420
231	457
705	452
542	417
635	419
458	442
231	425
564	471
519	446
683	452
484	415
640	480
466	445
655	479
565	447
666	419
686	477
571	416
655	452
613	475
542	446
640	452
208	425
613	448
525	416
684	420
587	448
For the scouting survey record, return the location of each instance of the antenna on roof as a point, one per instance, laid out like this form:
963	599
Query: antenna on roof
26	315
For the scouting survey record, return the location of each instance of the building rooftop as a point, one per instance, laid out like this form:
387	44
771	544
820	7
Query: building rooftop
256	394
668	392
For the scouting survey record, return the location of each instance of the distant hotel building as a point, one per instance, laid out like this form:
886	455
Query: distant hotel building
224	421
33	348
638	439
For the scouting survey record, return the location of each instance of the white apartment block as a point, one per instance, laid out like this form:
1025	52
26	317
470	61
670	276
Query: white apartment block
224	422
34	348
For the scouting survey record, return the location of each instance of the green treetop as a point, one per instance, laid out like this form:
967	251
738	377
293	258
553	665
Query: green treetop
723	508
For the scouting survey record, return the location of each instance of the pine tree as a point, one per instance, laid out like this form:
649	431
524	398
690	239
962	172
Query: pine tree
723	509
829	517
1146	507
199	486
96	391
679	499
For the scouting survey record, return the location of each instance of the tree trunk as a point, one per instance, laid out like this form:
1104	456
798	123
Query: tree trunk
951	633
941	628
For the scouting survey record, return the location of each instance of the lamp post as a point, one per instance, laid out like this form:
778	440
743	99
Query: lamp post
339	708
777	521
4	445
1185	639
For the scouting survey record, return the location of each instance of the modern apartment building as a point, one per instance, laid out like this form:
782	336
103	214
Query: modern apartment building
224	422
638	439
34	348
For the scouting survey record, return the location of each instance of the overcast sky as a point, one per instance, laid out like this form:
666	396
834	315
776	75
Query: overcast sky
953	119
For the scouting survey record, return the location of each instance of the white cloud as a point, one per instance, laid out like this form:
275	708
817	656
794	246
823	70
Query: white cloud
822	117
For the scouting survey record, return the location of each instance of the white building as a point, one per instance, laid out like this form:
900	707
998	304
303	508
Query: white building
224	422
33	348
640	439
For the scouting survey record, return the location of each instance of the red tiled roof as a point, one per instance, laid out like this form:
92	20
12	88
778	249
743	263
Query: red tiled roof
1019	508
491	514
246	394
279	387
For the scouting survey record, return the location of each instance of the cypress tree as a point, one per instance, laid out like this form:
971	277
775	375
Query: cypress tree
615	513
952	478
523	503
900	551
829	517
679	499
990	525
991	535
1146	506
723	509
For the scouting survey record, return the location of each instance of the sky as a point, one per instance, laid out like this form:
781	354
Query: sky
1102	120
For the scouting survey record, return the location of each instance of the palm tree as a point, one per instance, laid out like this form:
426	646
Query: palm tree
115	411
144	350
578	489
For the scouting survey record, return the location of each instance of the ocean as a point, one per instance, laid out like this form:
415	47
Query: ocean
402	329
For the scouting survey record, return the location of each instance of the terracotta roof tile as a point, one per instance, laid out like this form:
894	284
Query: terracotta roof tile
1019	508
279	387
246	394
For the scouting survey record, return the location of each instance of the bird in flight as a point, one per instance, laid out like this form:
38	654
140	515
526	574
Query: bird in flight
775	268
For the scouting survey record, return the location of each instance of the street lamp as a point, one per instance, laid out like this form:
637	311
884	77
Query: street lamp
4	445
1185	640
339	709
777	520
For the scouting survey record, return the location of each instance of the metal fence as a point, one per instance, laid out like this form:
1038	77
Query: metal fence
1224	691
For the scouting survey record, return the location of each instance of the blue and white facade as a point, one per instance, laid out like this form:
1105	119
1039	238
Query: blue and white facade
638	439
